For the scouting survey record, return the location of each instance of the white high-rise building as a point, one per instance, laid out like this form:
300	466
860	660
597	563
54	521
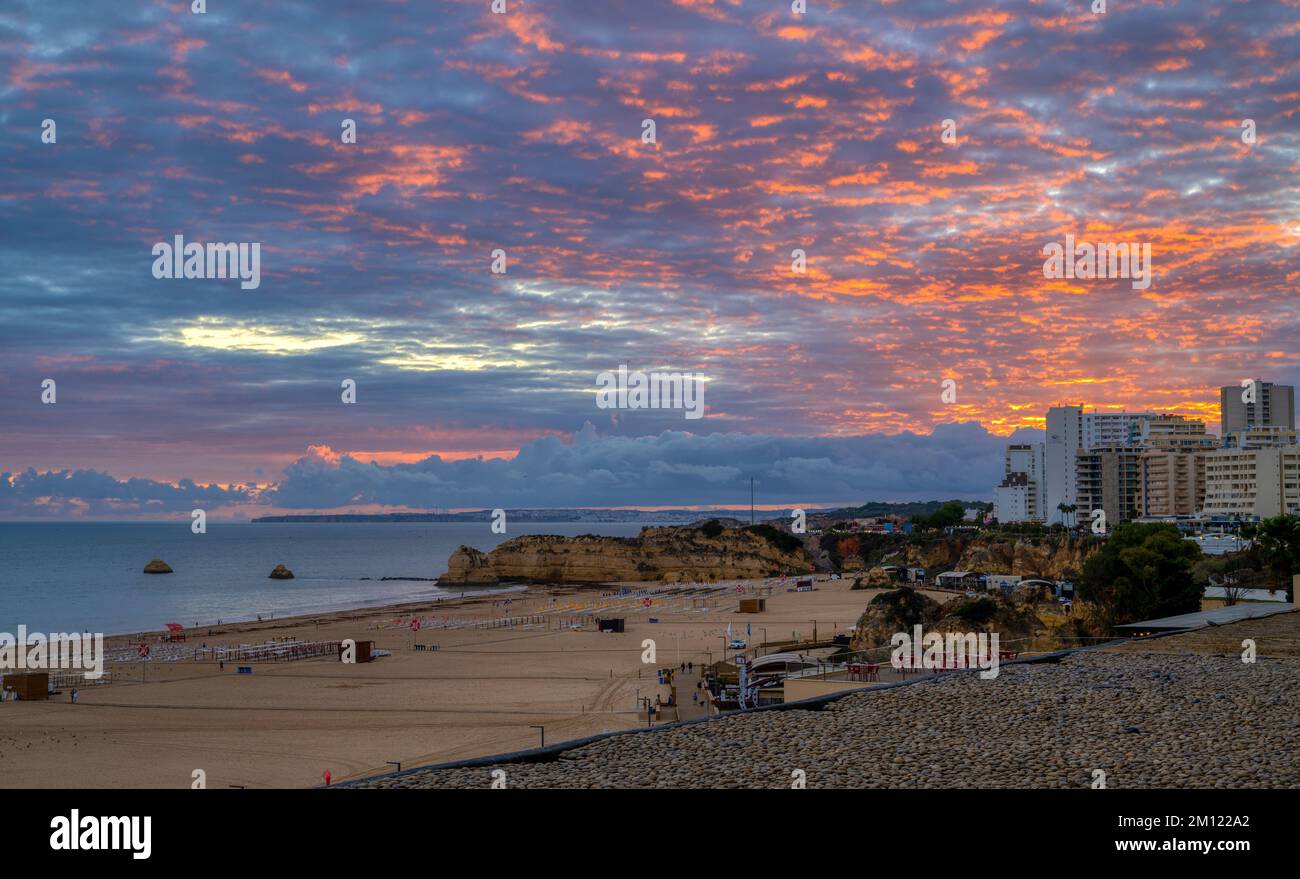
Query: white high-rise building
1070	431
1064	440
1113	429
1020	496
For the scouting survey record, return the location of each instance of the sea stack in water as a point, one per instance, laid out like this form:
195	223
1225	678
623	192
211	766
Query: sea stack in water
281	573
157	566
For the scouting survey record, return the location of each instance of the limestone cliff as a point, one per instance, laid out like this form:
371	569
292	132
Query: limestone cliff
1051	558
666	554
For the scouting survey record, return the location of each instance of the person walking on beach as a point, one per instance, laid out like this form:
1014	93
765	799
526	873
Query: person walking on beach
73	695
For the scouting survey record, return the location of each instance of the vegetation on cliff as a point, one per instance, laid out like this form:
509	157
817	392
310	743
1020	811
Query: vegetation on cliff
782	540
1141	571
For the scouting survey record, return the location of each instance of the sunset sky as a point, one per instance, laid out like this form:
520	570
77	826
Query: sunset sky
523	131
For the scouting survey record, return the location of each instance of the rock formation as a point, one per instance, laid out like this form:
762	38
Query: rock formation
281	573
898	611
876	578
666	554
1049	558
157	566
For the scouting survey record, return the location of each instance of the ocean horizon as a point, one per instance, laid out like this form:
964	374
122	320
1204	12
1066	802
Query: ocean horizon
88	576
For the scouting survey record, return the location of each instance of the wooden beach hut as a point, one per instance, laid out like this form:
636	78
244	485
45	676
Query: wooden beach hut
33	686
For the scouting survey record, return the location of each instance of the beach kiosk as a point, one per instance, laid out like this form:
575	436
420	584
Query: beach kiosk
365	651
33	686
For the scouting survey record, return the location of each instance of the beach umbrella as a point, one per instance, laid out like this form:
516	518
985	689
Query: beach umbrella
175	627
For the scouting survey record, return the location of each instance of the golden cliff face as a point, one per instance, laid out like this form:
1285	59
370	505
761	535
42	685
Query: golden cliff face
1053	558
664	554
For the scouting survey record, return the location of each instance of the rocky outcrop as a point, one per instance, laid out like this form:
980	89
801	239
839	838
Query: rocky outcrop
157	566
892	612
876	578
468	565
900	610
665	554
281	573
1051	558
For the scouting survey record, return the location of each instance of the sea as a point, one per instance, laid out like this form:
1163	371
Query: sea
89	576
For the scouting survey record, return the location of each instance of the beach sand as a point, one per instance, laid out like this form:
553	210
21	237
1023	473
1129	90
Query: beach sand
480	693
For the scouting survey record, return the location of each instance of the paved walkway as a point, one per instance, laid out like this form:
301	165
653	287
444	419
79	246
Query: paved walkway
687	709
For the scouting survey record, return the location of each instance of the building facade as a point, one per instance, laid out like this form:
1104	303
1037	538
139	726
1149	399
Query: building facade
1273	406
1253	482
1171	468
1064	440
1103	430
1108	480
1020	496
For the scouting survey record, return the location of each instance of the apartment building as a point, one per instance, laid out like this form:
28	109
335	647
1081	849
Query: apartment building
1255	474
1020	496
1272	406
1260	438
1108	479
1171	468
1110	429
1253	482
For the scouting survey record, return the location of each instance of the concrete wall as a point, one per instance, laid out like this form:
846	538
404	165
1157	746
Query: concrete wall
808	688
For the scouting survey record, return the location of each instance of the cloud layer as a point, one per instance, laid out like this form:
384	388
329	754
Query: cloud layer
673	468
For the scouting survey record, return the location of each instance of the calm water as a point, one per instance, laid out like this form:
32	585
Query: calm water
88	576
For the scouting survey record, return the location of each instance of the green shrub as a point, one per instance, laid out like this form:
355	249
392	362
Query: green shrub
976	612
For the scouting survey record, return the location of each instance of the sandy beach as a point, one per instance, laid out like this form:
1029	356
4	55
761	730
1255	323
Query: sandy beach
500	669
